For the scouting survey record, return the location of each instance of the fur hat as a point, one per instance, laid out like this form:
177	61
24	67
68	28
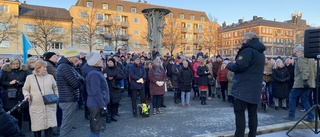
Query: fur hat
93	58
71	52
298	48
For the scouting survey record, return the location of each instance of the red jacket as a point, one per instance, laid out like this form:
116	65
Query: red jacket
222	75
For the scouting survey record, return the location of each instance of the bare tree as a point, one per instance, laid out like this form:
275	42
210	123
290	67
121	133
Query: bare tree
8	27
46	31
172	35
87	29
209	34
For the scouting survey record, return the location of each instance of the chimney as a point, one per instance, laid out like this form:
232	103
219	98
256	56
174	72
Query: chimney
240	21
24	2
255	17
139	0
224	24
145	1
274	19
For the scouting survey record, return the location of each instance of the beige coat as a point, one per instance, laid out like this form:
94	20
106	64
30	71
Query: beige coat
304	70
42	116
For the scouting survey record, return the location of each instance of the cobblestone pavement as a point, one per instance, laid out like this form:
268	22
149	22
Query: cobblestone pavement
175	121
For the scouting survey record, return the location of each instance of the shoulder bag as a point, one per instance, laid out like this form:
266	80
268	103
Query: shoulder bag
47	99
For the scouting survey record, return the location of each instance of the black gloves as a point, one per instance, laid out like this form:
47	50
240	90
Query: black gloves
305	84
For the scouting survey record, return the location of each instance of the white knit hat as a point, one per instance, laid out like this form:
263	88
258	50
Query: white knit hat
71	52
298	48
93	58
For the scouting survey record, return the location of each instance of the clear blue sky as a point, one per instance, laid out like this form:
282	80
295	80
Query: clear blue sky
229	10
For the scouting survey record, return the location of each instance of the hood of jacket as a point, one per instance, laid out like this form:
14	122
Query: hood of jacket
64	60
255	44
7	67
86	69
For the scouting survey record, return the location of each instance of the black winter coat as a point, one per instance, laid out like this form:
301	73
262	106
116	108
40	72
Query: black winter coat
9	125
68	81
8	75
248	72
281	79
203	78
135	73
114	85
291	72
185	79
175	72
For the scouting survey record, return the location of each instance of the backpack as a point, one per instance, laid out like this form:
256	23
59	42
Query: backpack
144	110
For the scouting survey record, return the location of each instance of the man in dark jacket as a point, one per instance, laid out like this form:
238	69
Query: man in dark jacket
68	83
248	76
137	75
9	125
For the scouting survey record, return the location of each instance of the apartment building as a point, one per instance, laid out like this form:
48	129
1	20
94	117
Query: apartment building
280	38
48	28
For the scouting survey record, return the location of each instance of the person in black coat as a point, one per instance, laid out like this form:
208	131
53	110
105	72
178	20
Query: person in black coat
9	125
185	83
175	81
12	80
113	75
247	82
137	76
280	90
203	73
289	65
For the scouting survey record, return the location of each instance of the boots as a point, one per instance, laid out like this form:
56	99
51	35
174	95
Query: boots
202	102
113	113
37	133
135	114
108	118
117	109
154	111
48	132
162	102
175	97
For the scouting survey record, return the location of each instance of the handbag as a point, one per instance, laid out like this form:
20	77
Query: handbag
12	93
115	84
212	82
47	99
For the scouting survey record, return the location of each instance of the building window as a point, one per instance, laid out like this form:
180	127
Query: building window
99	42
134	10
84	14
83	28
171	15
181	16
191	17
200	26
202	18
99	29
5	44
119	8
136	32
105	6
188	26
56	45
189	36
173	24
29	28
136	20
99	16
4	26
236	33
136	44
4	8
56	30
89	4
263	30
117	18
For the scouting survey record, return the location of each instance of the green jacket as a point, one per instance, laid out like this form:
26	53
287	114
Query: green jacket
304	70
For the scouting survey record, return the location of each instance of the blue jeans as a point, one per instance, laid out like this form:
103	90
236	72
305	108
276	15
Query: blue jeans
94	135
185	95
304	95
269	87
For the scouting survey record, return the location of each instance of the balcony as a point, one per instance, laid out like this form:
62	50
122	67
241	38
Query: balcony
184	30
124	24
184	41
107	36
108	23
196	31
125	37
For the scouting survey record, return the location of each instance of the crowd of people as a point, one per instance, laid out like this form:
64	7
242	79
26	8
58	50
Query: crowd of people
95	82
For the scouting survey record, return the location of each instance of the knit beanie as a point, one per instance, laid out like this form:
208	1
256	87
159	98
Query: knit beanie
298	48
113	60
71	52
135	57
48	55
93	58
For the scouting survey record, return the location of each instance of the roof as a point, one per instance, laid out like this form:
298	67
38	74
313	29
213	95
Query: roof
258	22
127	5
33	11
